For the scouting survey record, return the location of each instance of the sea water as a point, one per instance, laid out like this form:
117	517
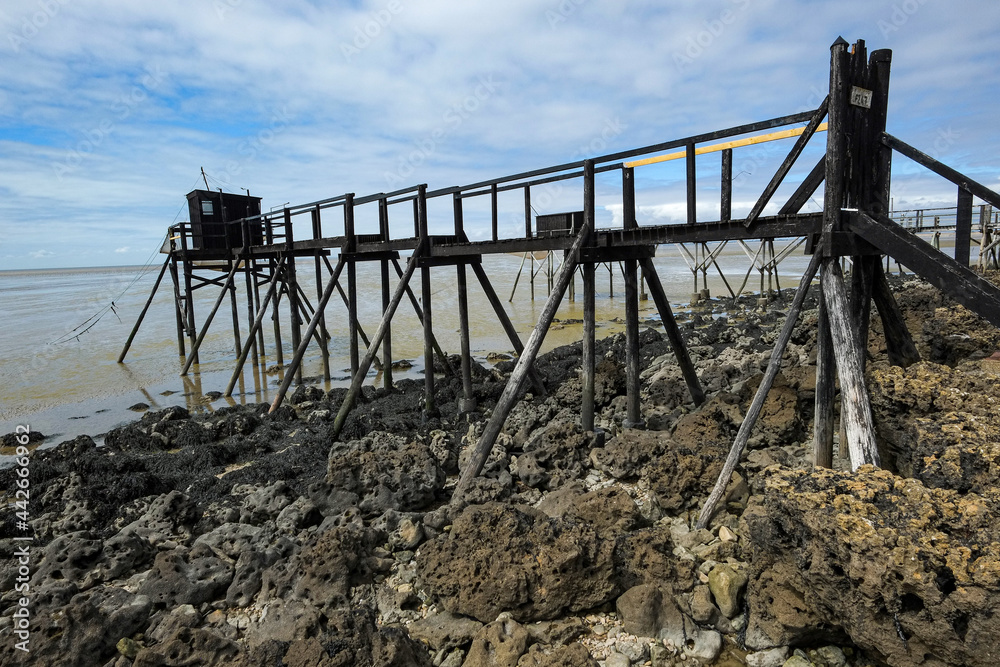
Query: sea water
60	338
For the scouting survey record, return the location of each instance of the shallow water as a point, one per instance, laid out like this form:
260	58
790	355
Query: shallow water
64	383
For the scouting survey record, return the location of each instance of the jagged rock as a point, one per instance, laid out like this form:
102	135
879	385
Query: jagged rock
86	629
940	425
909	573
350	637
685	473
558	632
266	503
284	621
177	579
625	455
445	630
167	522
727	585
189	647
498	558
167	624
609	508
646	611
554	454
387	472
571	655
498	644
323	572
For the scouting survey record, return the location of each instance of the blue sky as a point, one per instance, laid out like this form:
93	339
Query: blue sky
109	109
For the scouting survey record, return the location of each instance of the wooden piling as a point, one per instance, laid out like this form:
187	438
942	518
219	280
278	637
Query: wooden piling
178	312
753	412
142	313
898	341
310	330
255	327
588	362
515	384
358	378
823	413
855	409
673	332
208	321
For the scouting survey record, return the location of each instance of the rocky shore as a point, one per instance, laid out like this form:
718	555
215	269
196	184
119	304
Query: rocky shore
242	538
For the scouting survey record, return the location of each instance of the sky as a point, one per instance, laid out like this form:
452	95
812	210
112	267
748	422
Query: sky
110	109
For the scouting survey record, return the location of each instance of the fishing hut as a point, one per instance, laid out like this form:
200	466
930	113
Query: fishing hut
853	226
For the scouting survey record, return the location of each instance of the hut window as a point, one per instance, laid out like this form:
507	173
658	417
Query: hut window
206	207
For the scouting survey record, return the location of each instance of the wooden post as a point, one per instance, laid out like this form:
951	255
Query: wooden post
855	409
208	321
192	332
898	341
293	293
442	357
425	287
527	228
673	331
251	282
387	339
823	414
300	351
467	403
588	363
279	353
495	210
383	228
142	314
258	320
836	142
324	335
633	414
753	412
352	281
366	362
963	227
692	183
515	384
726	203
238	344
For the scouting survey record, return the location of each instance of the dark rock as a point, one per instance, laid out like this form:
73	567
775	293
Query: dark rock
498	644
323	572
387	472
571	655
445	630
189	647
176	579
908	573
86	629
516	559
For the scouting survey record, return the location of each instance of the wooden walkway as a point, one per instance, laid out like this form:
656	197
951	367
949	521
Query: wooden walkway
854	172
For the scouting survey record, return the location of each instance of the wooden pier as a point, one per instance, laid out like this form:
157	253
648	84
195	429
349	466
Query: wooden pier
264	251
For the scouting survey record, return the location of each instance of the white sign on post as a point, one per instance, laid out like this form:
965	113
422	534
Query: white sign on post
861	97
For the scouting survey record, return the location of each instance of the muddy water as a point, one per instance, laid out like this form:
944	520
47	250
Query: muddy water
59	372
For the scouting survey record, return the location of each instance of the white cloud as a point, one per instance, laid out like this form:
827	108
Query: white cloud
160	90
123	249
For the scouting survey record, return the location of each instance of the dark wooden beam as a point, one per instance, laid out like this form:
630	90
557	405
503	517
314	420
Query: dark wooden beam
957	281
898	341
806	189
787	164
941	169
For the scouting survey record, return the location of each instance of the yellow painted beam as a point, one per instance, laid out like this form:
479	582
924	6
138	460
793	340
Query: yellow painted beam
748	141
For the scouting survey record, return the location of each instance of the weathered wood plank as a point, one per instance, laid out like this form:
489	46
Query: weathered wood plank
855	409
